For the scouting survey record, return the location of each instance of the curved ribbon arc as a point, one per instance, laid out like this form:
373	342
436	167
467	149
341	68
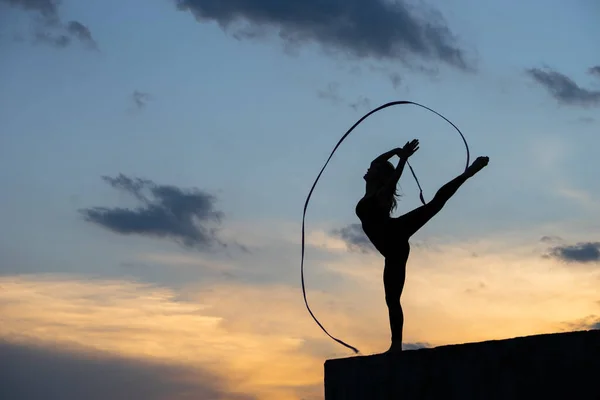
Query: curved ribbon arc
393	103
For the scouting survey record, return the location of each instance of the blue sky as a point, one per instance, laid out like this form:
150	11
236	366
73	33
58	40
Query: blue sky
243	103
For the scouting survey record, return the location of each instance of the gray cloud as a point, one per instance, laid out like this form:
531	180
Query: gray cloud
36	373
165	211
590	322
588	252
595	70
396	79
48	9
550	239
376	29
48	26
140	99
330	93
415	346
362	102
82	32
564	89
586	120
355	238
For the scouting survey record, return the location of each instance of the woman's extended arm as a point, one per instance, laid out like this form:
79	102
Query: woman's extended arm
387	155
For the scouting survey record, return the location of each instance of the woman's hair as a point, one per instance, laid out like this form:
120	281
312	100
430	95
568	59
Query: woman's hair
387	169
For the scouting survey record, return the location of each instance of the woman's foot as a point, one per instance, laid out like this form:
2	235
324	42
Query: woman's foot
477	165
396	347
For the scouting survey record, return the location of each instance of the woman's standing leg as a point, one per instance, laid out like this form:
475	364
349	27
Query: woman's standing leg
394	275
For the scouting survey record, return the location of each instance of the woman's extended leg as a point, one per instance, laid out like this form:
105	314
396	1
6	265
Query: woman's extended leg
394	274
414	220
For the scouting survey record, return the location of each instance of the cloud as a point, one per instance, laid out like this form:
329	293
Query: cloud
564	89
586	120
166	211
585	252
355	238
48	26
375	29
361	103
331	93
196	333
415	346
550	239
37	372
595	70
140	99
82	32
396	79
587	323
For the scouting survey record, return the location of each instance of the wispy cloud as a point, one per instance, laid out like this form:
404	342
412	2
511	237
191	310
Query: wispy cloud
49	27
332	94
355	238
586	323
595	70
362	103
140	99
375	29
396	79
185	215
564	89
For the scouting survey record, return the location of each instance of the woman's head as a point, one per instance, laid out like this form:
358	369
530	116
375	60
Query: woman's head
377	176
379	172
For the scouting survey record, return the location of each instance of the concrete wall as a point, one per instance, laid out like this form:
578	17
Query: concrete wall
554	366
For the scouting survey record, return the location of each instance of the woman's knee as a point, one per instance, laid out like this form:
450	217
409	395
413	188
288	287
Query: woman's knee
392	300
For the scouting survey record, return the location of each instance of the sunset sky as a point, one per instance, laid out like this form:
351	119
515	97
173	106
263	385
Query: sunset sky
155	157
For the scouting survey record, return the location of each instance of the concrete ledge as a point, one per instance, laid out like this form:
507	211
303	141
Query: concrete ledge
553	366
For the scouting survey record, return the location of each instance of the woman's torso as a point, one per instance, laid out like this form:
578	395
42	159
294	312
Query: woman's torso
382	230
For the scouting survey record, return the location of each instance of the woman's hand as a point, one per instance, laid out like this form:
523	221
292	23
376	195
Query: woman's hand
408	150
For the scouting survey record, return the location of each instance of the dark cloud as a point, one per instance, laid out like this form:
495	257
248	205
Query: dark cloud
165	211
140	99
564	89
376	29
355	238
36	373
48	26
588	252
595	70
48	9
82	32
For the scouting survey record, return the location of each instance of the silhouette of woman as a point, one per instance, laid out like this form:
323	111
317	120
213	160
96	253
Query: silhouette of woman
390	235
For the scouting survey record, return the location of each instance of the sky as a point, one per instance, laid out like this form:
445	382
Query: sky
155	157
